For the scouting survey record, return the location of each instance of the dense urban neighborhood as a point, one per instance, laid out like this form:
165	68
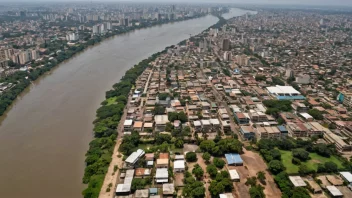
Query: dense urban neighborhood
255	106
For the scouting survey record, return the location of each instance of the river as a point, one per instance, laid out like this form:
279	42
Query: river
45	134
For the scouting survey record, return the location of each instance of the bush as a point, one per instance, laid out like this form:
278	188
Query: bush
191	157
296	161
219	163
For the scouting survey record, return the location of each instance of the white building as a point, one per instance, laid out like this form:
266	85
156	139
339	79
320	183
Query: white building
234	175
179	166
72	36
162	175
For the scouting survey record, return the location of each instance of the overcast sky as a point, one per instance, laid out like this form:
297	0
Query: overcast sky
302	2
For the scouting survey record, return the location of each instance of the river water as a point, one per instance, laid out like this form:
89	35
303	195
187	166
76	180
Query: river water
44	136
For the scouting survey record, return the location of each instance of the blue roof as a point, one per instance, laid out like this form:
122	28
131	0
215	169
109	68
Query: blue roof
282	128
153	190
233	158
290	97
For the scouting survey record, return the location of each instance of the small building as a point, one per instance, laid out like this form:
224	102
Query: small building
153	191
143	193
234	175
241	118
234	159
297	181
206	125
125	188
334	192
162	163
306	117
197	125
247	132
149	156
283	131
226	195
127	125
179	166
134	157
138	126
162	175
160	122
168	189
347	176
215	123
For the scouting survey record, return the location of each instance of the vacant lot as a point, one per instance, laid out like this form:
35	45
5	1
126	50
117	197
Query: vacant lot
286	157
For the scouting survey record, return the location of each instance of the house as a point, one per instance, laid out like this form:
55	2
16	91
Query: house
234	176
283	131
142	172
197	125
297	181
306	117
153	191
138	126
247	132
134	157
179	166
143	193
215	123
168	189
162	163
226	195
334	192
234	159
160	122
162	175
125	188
206	126
347	176
149	156
241	118
127	125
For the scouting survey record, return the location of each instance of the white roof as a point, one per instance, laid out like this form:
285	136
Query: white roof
161	173
205	122
179	164
197	123
347	176
128	123
214	121
334	191
135	156
282	90
161	119
297	181
179	157
306	116
234	174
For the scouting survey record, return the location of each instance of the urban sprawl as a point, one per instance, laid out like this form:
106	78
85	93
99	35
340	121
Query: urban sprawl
255	106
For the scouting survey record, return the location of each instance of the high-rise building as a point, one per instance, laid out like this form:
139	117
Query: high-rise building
96	29
35	54
108	26
126	22
226	45
72	36
227	56
3	59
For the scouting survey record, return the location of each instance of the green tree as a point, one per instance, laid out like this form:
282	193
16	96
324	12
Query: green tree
179	143
301	154
257	191
212	170
219	163
316	114
206	156
216	188
191	157
261	176
276	166
207	145
330	167
198	171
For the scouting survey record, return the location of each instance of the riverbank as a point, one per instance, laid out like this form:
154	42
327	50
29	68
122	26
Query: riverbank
102	170
22	79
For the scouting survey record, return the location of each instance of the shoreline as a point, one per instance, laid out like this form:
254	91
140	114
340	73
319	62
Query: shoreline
104	185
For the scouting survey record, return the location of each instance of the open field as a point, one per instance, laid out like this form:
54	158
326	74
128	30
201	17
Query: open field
111	100
286	157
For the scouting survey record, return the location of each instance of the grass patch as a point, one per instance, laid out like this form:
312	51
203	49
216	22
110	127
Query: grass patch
172	147
286	157
111	101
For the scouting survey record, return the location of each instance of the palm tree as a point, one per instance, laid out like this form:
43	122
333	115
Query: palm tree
261	176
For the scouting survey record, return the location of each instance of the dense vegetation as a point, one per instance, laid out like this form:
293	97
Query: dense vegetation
301	151
277	106
221	147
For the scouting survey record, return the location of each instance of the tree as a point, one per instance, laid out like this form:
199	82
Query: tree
207	145
251	181
275	153
316	114
257	191
322	149
191	157
300	192
330	167
212	170
276	166
198	171
179	143
219	163
216	188
261	177
304	170
260	77
301	154
206	156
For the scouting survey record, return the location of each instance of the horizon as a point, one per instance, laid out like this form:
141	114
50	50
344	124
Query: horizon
335	3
